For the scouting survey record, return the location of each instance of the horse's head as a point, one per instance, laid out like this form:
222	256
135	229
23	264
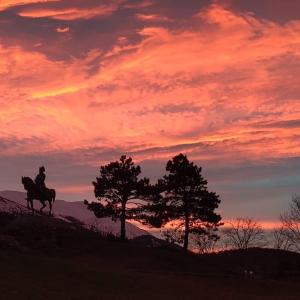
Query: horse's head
28	183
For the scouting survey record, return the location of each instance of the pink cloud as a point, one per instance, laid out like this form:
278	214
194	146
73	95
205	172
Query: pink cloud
151	17
10	3
62	29
70	14
231	67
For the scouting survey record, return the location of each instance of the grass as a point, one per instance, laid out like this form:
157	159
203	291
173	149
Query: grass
35	277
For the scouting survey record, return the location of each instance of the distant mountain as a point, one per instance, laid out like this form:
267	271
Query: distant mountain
13	200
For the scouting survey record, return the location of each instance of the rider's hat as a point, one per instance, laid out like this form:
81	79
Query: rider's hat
42	169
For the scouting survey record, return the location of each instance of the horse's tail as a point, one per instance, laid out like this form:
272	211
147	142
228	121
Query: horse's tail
53	195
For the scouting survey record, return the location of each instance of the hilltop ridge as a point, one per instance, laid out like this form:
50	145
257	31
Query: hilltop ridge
66	209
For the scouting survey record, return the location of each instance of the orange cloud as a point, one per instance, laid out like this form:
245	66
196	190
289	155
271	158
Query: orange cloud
203	88
10	3
152	17
266	225
62	29
68	13
76	189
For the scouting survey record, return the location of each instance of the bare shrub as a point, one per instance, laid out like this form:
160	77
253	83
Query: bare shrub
174	234
291	224
281	239
244	233
206	243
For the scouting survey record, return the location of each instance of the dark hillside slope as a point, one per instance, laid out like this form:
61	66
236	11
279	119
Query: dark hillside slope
64	209
46	258
57	237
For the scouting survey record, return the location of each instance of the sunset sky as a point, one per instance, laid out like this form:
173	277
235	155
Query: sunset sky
84	81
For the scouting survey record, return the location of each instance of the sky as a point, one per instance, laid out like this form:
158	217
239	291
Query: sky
84	81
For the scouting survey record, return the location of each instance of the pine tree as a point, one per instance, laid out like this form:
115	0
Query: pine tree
182	196
118	186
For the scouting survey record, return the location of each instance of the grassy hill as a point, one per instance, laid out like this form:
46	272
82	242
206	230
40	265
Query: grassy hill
48	258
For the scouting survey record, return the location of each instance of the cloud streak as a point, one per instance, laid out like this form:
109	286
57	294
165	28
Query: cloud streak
220	85
221	88
69	13
5	4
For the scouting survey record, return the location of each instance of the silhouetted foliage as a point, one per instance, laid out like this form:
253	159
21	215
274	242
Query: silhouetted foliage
118	186
206	243
281	239
182	196
244	233
291	224
174	234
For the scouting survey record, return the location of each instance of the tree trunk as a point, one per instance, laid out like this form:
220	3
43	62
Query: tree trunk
123	221
186	233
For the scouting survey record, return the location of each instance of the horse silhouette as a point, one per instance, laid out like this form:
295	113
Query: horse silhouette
34	193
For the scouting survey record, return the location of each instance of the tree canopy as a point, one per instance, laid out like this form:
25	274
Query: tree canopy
118	186
182	196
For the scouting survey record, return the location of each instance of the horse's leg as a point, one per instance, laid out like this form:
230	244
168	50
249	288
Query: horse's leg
44	205
50	207
31	204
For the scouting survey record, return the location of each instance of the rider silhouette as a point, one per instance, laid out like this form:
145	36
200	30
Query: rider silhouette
40	179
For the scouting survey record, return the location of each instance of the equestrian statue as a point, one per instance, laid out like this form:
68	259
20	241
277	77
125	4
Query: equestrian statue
37	190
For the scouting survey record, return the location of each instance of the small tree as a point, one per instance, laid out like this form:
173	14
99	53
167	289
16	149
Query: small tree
281	239
206	242
182	196
174	234
291	224
244	233
117	187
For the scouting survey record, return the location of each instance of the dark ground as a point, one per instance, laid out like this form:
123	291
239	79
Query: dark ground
45	258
